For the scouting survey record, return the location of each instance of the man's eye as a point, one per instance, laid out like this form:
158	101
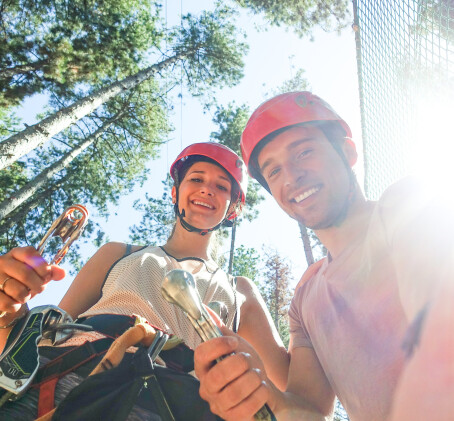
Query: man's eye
273	172
304	153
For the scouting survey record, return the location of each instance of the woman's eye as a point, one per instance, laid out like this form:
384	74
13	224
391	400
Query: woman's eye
196	179
223	188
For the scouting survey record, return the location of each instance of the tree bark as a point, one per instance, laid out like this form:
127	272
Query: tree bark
20	215
22	143
27	191
306	244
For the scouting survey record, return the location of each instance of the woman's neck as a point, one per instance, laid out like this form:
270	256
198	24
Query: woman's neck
188	244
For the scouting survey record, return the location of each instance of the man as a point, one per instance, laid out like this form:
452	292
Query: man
356	316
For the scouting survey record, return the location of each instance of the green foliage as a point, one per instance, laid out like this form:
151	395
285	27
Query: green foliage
246	263
437	15
231	120
301	15
157	220
53	45
217	57
296	83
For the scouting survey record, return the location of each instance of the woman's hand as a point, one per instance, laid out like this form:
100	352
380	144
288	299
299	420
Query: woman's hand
24	274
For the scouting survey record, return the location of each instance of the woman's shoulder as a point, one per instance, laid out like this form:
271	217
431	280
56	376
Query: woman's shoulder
113	250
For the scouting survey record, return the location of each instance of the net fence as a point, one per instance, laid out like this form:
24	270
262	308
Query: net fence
405	57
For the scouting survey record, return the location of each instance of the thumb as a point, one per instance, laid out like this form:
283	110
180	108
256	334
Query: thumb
214	316
57	273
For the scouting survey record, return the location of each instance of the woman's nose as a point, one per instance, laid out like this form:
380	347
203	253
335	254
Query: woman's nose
206	189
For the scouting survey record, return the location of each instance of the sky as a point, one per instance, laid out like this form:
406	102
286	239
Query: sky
274	56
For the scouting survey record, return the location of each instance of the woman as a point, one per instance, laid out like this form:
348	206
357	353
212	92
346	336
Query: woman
209	190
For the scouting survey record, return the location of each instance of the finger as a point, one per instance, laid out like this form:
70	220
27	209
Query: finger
249	406
8	304
226	371
245	390
207	352
16	290
57	273
30	256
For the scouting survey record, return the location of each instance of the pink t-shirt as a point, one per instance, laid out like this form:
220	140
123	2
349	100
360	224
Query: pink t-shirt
351	312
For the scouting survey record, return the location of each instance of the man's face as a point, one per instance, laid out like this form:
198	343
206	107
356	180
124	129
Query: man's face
306	176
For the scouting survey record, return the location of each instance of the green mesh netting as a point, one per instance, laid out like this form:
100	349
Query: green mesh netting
405	52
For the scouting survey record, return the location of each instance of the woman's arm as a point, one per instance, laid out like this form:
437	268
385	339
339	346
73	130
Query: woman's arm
85	290
257	327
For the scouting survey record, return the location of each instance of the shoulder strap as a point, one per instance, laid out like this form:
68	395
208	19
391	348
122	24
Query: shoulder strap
236	319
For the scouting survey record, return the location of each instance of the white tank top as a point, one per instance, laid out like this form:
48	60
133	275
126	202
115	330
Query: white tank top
133	286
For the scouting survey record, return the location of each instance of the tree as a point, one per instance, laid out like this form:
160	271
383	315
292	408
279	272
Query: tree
55	45
212	56
157	220
301	15
246	263
274	288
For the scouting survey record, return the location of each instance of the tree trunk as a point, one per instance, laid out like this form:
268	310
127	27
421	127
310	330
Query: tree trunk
27	191
22	143
18	216
232	247
276	300
306	244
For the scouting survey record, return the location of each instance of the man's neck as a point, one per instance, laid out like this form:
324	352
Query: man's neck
353	227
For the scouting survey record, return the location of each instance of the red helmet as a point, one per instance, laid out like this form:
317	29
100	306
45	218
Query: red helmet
283	111
222	155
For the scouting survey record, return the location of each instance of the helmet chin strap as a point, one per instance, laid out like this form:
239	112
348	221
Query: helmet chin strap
191	228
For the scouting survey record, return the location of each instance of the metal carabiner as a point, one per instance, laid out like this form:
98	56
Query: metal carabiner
68	226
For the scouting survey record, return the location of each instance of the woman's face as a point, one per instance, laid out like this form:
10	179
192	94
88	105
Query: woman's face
204	194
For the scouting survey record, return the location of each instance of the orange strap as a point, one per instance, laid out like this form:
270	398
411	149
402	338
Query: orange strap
46	400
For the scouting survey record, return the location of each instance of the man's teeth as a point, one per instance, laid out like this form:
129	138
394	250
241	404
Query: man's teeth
196	202
306	194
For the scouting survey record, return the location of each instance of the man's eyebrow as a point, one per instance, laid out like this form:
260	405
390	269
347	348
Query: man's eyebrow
292	145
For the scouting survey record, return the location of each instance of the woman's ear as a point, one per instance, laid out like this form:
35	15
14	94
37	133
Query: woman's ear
174	195
349	149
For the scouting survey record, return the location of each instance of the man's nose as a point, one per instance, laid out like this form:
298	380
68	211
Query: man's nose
294	173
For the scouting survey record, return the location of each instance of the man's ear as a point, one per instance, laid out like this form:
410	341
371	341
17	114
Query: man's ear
174	195
349	149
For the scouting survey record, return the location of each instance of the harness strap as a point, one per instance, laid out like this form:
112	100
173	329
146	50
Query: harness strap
71	360
180	358
46	401
48	376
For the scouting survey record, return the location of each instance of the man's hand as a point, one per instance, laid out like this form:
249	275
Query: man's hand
236	387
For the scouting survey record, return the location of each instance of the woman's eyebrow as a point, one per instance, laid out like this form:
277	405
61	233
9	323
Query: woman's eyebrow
204	172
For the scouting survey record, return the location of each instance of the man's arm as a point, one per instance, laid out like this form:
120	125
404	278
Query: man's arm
236	387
